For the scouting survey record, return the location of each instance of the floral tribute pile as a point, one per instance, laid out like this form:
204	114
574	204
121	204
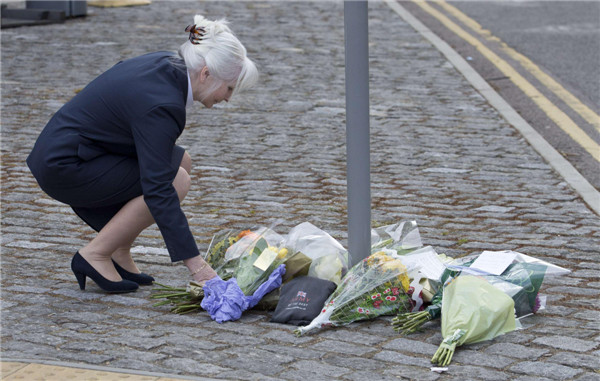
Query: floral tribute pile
477	297
251	256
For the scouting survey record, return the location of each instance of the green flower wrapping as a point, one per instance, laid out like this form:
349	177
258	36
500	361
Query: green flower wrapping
473	310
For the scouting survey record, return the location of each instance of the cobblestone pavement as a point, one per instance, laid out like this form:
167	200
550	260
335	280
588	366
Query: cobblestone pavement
441	155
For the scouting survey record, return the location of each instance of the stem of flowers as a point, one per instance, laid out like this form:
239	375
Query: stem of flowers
163	287
410	322
182	300
443	355
169	295
184	309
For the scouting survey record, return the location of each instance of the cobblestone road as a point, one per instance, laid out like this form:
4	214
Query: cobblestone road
441	155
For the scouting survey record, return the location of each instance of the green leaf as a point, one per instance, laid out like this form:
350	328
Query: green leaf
260	246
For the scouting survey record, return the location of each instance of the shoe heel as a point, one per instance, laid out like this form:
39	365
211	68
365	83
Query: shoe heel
80	279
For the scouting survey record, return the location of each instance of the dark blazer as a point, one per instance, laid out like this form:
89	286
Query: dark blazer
135	109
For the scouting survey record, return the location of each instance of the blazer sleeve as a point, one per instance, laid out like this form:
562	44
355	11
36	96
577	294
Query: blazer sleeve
154	134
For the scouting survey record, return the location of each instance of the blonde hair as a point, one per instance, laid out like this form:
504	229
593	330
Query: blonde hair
222	53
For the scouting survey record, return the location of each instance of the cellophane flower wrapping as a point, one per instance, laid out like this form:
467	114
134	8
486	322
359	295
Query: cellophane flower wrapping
215	254
398	240
256	256
329	257
373	287
402	237
230	254
473	310
521	280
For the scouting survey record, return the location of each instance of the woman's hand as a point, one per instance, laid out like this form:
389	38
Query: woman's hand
200	271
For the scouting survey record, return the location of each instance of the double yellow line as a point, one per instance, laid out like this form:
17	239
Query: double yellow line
552	111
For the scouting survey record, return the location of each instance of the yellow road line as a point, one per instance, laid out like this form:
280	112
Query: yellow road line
575	104
13	371
558	116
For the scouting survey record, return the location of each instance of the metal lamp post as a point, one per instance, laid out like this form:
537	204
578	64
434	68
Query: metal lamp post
357	129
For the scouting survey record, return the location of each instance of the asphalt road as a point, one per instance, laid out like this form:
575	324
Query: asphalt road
561	38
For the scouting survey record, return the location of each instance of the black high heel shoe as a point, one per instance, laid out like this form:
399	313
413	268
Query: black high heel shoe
81	268
142	279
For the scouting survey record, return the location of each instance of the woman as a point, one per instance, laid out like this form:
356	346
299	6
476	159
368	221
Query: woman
110	152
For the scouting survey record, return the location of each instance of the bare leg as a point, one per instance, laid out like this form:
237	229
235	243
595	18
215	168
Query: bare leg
122	255
123	228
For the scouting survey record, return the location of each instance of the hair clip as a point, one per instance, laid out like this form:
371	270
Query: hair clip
196	34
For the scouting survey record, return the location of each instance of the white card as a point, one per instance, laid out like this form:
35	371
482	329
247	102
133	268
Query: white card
265	259
494	262
427	261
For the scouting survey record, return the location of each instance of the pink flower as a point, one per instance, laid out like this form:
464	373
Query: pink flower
395	291
386	291
323	310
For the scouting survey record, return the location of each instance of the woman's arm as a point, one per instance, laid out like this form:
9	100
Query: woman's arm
199	269
154	134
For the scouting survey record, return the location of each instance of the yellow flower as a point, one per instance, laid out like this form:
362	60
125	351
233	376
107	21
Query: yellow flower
405	281
377	258
393	265
282	253
396	265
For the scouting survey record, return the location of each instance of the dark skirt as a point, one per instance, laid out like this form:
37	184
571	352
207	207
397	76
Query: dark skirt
116	181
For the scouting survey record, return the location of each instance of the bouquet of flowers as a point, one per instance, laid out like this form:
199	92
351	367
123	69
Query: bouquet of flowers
521	280
310	252
217	249
473	310
257	262
373	287
249	256
329	259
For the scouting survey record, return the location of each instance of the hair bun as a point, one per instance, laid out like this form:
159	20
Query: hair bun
212	27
